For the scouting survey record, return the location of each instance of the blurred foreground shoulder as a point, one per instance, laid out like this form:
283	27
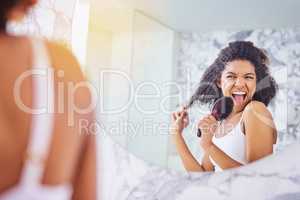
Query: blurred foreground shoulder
62	58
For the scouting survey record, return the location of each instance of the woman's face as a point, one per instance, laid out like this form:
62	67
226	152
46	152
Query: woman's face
238	80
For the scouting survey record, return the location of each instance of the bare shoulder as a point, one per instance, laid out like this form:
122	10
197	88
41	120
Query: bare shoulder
56	49
63	61
62	58
257	115
254	108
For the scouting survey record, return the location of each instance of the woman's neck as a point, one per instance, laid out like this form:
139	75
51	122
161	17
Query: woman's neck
233	114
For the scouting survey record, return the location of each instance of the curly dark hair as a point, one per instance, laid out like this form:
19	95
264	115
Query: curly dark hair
208	92
5	7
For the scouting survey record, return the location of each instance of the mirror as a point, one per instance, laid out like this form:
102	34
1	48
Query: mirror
146	61
145	65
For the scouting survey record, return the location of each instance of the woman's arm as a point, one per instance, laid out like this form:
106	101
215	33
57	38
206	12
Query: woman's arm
208	125
188	160
207	164
77	142
85	181
222	159
179	122
260	131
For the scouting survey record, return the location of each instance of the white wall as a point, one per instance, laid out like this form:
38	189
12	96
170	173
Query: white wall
208	15
109	50
151	68
109	59
141	51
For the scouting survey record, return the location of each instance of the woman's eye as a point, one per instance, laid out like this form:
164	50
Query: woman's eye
230	77
249	77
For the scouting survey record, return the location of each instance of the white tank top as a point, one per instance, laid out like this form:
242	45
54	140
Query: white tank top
30	186
233	144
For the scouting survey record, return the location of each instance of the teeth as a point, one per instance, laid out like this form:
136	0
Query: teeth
239	93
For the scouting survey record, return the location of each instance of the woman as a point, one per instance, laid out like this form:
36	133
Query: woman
42	155
241	72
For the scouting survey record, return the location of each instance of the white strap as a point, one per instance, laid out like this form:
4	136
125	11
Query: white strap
42	118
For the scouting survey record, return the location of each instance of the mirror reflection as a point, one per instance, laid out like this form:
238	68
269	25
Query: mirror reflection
247	132
159	82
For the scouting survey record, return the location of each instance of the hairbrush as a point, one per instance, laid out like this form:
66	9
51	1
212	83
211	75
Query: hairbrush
220	110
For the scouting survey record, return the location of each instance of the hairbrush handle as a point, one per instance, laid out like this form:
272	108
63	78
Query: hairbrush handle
221	109
199	132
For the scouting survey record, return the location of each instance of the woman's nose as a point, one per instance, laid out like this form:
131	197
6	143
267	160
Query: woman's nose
239	82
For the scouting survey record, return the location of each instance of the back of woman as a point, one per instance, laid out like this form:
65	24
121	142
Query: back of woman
69	163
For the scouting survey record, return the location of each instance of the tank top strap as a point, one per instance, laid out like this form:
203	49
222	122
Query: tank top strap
240	124
42	117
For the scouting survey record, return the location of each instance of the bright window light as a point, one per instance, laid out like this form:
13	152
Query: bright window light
80	30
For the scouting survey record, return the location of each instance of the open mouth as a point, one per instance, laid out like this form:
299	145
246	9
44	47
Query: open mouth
239	97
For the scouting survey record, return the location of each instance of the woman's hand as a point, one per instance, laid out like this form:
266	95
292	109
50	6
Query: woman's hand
208	126
180	120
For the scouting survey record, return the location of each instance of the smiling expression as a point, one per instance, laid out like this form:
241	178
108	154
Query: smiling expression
238	80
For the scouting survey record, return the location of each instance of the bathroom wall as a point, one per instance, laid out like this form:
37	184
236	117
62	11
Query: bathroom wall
151	70
109	58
